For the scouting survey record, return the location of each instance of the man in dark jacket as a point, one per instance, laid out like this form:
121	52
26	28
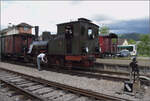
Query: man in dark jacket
134	66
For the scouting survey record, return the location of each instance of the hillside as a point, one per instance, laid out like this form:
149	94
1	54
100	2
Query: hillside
134	36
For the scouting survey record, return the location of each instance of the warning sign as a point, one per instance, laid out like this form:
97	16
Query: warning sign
128	86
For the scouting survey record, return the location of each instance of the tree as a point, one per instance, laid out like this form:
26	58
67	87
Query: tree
104	30
144	45
131	41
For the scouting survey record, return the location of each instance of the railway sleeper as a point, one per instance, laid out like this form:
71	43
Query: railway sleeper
19	90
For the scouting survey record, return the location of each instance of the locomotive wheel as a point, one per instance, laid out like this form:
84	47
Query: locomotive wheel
59	62
86	63
68	65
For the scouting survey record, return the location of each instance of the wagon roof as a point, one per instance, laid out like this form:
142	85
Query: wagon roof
111	35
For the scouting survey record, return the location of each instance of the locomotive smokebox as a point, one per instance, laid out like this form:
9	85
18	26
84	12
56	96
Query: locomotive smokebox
36	32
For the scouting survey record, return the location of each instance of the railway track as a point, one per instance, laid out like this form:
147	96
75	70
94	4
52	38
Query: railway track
85	72
107	75
90	73
38	89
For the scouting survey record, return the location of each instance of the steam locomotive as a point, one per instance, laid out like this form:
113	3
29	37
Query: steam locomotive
75	44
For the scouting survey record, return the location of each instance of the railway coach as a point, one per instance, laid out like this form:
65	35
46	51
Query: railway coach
108	44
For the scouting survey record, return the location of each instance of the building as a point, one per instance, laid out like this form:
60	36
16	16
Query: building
122	42
22	28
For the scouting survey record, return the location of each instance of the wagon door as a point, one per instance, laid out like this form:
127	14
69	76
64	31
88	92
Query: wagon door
69	35
24	44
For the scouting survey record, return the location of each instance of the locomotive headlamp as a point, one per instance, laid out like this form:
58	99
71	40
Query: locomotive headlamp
98	49
85	49
92	36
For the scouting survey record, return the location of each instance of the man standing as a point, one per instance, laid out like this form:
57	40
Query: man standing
134	67
41	58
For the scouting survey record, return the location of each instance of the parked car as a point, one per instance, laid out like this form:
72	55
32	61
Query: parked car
123	53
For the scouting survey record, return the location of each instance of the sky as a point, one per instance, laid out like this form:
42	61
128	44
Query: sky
119	16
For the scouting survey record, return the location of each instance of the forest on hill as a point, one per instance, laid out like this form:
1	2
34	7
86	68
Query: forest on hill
133	36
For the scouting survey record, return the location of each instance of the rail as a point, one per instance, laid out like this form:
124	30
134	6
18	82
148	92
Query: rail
75	90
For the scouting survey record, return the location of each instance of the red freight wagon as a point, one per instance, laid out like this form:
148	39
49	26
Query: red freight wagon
108	44
16	45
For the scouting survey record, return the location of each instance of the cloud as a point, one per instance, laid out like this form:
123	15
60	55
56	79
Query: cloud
99	18
47	14
75	2
139	25
128	26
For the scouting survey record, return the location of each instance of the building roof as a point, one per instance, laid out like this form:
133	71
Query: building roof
19	25
24	25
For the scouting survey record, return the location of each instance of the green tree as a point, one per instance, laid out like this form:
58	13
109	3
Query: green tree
114	40
131	41
104	30
144	45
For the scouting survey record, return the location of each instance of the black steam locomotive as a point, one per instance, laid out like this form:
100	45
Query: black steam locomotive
75	44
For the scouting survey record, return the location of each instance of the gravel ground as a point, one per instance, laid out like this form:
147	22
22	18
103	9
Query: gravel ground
3	97
102	86
6	95
126	62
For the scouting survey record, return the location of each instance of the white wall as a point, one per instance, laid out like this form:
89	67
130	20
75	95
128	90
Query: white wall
12	31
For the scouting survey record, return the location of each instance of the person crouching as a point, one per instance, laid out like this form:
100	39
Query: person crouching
41	58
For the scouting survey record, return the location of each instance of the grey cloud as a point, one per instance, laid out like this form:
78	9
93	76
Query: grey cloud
125	26
129	26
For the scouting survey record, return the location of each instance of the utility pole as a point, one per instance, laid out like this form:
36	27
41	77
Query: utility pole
0	47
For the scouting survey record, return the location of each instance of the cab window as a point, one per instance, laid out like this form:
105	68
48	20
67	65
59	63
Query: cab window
90	33
69	32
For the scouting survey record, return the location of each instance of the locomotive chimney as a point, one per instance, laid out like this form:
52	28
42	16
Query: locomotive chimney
36	32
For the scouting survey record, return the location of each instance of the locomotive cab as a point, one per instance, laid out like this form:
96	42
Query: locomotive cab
75	44
81	35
